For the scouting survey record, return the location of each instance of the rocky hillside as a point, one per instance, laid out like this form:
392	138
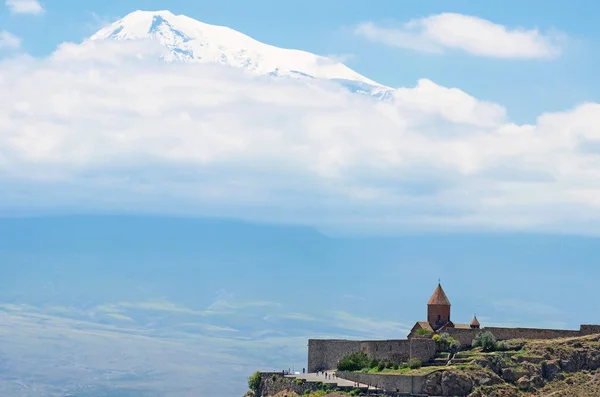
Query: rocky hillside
540	368
558	367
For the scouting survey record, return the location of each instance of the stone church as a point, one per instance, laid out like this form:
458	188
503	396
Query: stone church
438	315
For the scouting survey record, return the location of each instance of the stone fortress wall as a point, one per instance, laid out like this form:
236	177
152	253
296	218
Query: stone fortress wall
405	385
326	353
466	336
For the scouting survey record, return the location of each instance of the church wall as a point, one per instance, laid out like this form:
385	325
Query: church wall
587	329
394	383
422	349
327	353
395	350
466	336
401	350
530	333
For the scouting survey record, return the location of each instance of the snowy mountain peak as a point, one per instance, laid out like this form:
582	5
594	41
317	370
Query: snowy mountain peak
189	40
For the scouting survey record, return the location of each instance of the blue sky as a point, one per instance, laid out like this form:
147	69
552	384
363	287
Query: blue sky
193	208
526	88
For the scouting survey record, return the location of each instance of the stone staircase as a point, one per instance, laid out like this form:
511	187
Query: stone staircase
461	358
440	359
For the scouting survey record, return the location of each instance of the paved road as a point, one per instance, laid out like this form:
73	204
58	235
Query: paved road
321	378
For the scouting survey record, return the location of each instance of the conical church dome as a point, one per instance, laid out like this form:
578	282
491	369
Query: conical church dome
439	297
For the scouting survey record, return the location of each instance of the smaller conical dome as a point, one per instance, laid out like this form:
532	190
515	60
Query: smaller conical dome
475	323
439	297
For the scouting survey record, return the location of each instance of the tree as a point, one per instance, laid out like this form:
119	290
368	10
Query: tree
485	340
254	382
445	342
454	345
354	362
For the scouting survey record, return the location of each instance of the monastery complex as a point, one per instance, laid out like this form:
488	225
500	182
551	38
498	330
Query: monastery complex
324	354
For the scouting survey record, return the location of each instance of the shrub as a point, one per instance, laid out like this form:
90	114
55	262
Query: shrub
445	342
396	366
454	345
354	362
380	366
373	363
423	332
415	363
389	364
503	346
254	382
355	392
485	340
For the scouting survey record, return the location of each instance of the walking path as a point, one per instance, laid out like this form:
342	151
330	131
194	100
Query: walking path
330	380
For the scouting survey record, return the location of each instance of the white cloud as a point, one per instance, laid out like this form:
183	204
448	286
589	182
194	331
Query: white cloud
25	7
105	127
8	40
473	35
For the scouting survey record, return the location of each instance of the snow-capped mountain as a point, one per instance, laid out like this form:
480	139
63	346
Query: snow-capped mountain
189	40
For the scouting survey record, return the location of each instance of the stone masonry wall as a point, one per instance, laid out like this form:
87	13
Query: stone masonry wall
327	353
324	353
466	336
391	383
422	349
530	333
587	329
395	350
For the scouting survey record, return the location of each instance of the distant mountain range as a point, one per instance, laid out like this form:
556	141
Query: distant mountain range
188	40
